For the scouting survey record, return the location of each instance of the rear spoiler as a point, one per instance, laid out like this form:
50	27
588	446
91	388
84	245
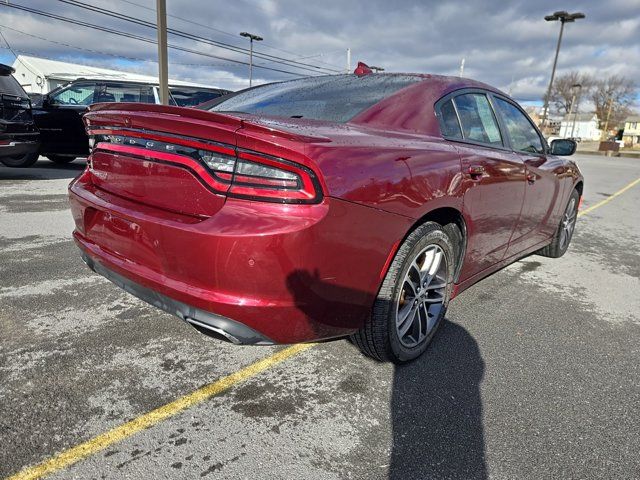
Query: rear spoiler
230	120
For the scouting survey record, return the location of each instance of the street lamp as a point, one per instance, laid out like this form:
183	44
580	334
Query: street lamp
564	17
251	38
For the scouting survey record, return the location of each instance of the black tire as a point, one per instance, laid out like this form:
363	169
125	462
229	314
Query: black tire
379	337
560	244
60	160
20	161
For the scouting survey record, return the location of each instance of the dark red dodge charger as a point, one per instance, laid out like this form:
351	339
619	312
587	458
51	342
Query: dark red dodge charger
320	208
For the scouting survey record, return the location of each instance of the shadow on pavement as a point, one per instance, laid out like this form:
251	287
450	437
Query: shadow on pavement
436	407
436	411
44	170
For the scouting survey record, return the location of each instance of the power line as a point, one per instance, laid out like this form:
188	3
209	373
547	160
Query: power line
190	36
138	37
232	35
90	50
99	52
14	53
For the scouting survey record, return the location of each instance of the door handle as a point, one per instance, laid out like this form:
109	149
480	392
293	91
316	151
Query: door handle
531	178
476	172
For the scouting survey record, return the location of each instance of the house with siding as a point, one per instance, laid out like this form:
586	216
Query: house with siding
631	133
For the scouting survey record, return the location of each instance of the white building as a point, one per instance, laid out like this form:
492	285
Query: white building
40	75
631	134
581	125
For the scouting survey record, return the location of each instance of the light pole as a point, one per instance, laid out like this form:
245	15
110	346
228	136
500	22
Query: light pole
564	17
251	38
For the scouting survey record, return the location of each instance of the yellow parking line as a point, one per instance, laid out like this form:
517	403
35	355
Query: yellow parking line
608	199
117	434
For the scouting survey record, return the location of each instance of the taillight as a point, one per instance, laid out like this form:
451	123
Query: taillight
220	164
239	173
267	178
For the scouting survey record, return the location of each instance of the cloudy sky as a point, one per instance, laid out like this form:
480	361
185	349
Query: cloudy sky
505	43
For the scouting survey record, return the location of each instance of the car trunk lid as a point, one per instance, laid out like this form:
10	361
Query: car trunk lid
152	154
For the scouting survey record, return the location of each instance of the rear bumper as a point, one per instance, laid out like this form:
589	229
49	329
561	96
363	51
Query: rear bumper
287	273
207	322
10	147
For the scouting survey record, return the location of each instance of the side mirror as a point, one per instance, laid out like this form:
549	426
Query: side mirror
46	101
563	147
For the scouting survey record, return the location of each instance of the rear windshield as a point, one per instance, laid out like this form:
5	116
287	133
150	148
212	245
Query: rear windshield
10	85
336	98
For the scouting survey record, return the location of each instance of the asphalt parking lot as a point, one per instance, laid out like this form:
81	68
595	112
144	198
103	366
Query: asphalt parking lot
535	375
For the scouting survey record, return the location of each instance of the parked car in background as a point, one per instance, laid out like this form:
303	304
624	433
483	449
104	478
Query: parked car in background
19	138
322	207
58	114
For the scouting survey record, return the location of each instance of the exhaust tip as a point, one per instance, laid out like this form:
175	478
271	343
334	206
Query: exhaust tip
212	331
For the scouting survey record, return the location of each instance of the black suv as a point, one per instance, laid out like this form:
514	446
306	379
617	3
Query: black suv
58	114
19	138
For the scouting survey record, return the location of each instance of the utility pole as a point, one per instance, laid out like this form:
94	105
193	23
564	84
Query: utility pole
577	100
564	17
251	38
462	67
606	123
573	101
163	68
348	60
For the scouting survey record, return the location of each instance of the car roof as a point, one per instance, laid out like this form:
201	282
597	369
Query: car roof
444	82
413	107
449	83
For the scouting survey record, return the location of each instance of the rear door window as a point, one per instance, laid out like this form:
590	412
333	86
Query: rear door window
449	120
477	119
123	92
75	94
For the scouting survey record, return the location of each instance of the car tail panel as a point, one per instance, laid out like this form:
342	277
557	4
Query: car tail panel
168	186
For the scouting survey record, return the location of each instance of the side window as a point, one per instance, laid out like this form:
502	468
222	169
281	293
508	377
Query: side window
478	121
449	121
122	92
524	137
75	94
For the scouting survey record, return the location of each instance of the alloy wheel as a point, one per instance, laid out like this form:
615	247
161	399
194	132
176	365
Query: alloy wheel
568	224
422	296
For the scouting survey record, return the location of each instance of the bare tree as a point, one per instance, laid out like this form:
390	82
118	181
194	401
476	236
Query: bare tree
616	93
562	91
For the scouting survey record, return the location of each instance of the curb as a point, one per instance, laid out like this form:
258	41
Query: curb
610	154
